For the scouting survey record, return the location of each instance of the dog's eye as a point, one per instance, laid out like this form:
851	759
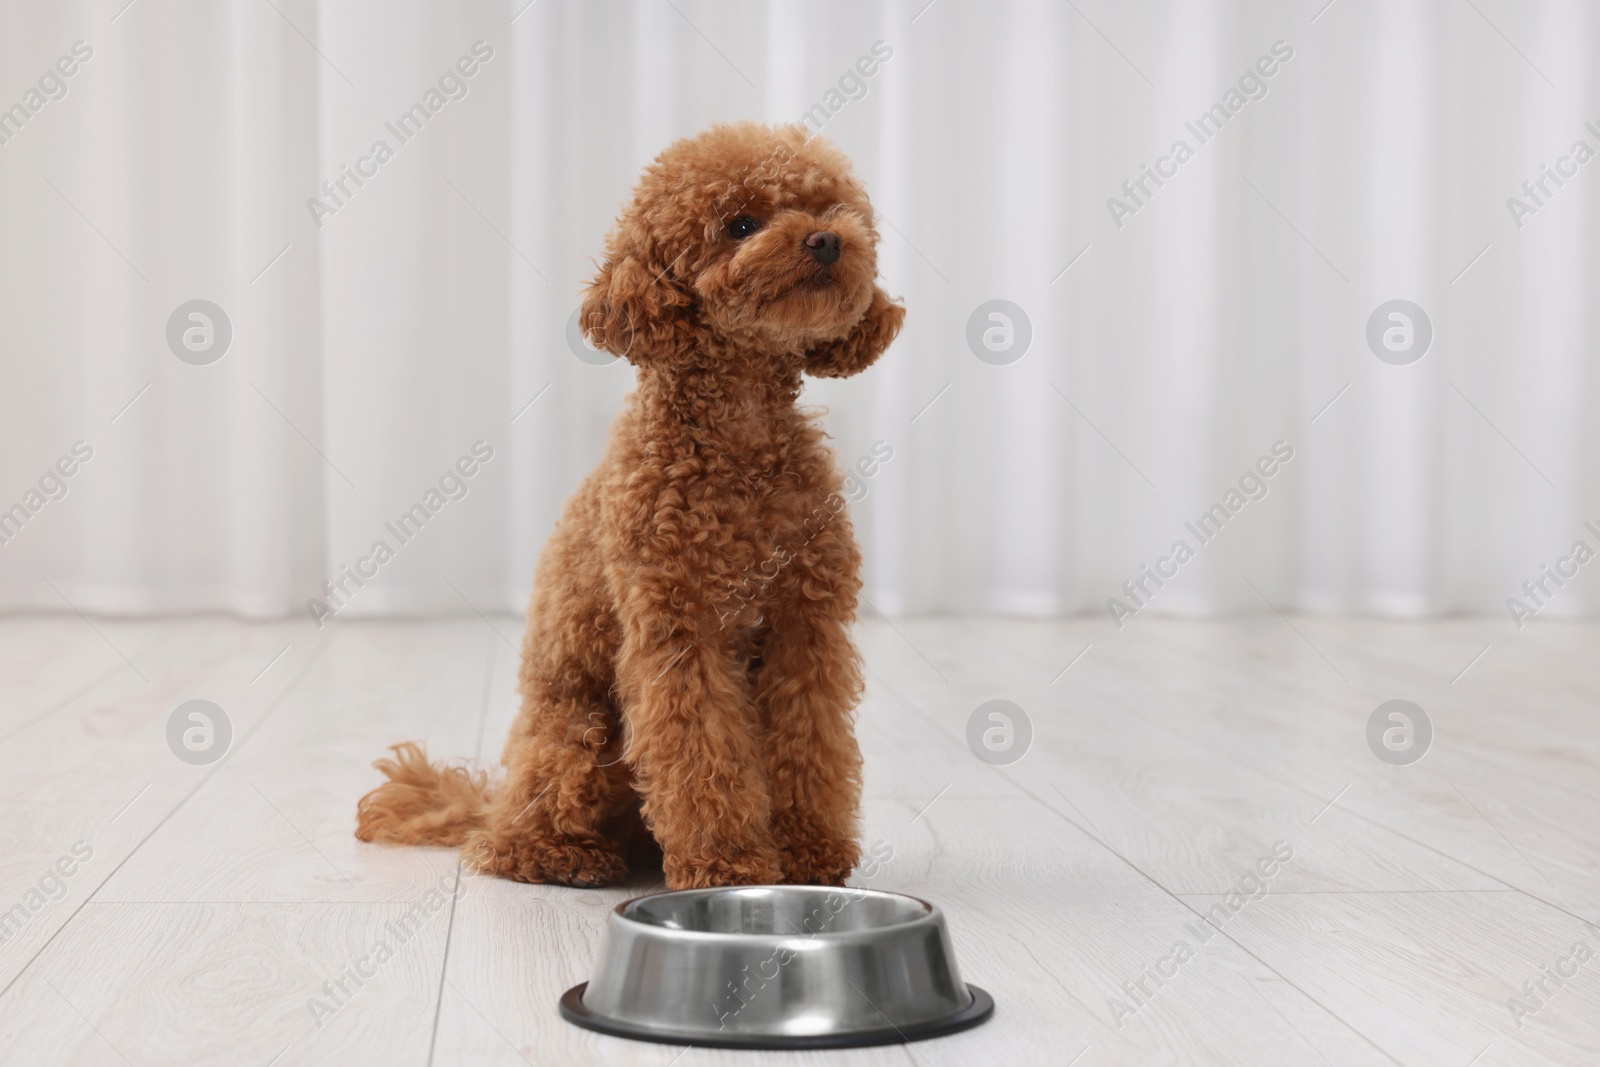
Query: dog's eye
742	227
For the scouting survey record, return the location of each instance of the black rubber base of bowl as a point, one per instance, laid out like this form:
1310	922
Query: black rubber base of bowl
982	1006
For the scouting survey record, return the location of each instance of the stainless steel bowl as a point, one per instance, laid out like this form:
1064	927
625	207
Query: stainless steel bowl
776	967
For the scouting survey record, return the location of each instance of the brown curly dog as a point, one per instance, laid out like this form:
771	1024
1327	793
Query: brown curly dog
687	660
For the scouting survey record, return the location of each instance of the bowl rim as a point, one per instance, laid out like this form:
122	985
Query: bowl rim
931	914
978	1010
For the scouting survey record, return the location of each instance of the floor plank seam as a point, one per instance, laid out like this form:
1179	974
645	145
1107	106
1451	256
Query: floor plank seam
455	894
398	901
1352	892
444	964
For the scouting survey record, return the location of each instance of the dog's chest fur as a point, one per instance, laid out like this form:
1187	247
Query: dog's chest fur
778	518
744	508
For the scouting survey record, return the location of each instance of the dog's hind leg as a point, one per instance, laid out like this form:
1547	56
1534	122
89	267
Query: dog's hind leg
551	819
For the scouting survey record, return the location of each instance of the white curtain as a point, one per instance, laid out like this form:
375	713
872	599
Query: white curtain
382	335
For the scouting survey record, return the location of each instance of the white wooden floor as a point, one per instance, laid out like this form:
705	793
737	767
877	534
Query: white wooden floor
1165	762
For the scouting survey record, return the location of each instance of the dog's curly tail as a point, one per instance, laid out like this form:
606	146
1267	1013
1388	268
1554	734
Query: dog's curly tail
422	803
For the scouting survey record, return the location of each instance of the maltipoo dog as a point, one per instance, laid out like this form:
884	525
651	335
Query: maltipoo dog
687	661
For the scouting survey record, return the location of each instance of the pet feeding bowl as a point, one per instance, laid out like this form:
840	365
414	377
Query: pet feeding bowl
776	967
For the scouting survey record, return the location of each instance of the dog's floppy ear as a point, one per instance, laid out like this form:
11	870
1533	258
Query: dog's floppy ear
632	311
865	342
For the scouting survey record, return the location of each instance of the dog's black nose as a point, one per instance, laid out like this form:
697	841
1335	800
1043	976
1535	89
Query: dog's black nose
824	246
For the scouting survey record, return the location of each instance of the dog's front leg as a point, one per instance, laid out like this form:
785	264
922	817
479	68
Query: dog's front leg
806	690
696	763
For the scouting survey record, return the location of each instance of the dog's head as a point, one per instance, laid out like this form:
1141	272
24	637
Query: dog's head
747	238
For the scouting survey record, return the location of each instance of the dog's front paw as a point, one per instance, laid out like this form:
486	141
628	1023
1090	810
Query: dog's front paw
734	867
818	861
554	860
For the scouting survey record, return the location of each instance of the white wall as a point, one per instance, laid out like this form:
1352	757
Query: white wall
1220	317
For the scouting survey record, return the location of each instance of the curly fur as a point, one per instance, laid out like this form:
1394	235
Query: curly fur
687	667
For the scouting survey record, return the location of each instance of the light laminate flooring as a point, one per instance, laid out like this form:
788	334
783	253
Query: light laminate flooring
1420	906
